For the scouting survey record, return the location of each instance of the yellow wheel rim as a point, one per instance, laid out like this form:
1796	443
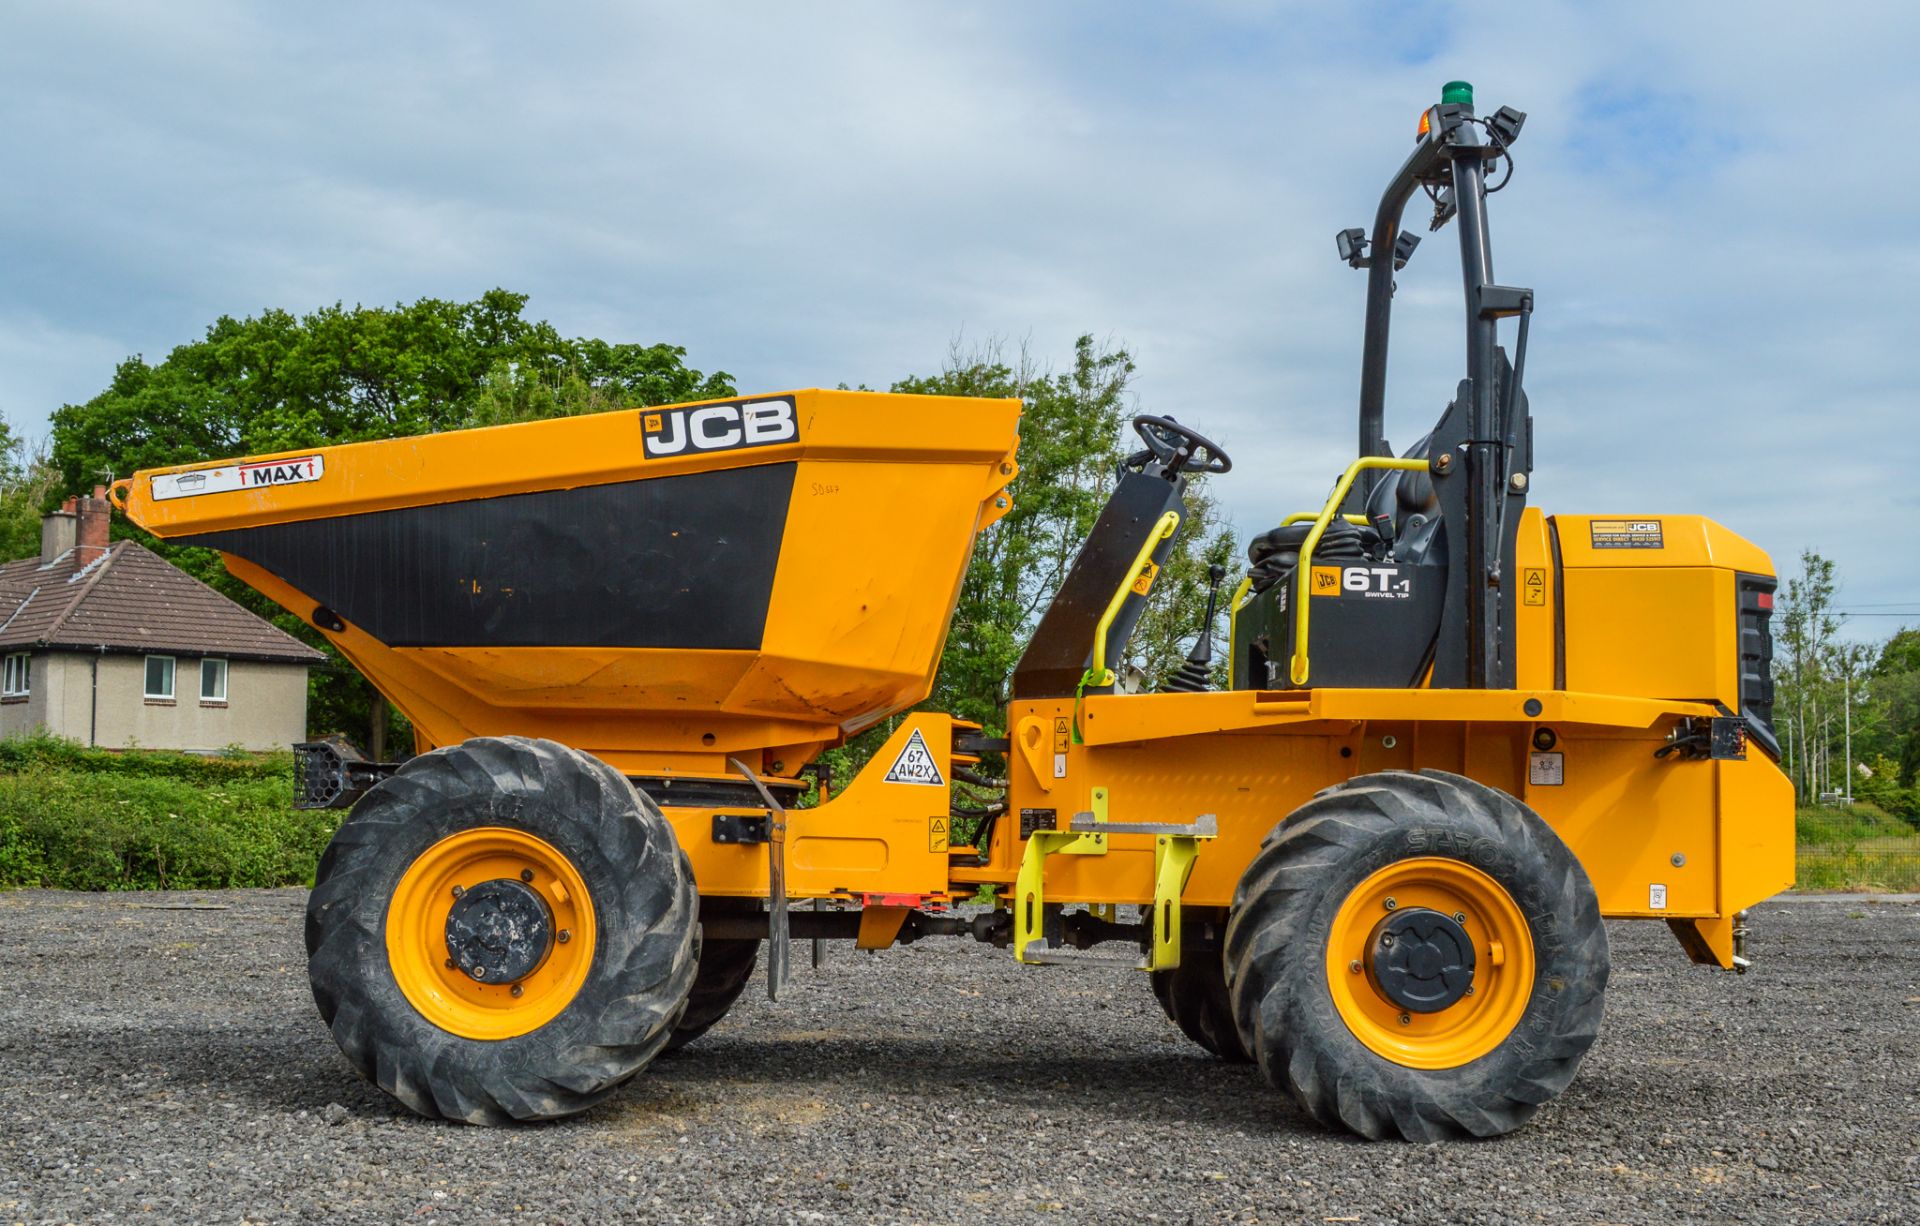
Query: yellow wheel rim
1471	1026
417	933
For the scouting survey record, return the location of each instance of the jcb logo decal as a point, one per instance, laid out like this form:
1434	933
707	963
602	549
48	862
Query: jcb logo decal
719	427
1326	581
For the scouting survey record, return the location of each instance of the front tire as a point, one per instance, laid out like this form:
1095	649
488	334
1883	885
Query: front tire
503	930
1417	956
1194	997
726	967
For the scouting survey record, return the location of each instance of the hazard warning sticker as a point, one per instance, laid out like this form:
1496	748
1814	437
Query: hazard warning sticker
936	834
915	764
1533	589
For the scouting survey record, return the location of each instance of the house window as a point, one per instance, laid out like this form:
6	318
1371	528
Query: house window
160	677
213	680
18	675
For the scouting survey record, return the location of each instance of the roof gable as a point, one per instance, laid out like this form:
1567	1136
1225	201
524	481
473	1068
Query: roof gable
129	599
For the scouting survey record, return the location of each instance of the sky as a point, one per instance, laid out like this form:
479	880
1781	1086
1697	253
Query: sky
1710	202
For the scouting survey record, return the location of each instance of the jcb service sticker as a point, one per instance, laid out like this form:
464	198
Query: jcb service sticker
767	422
1626	534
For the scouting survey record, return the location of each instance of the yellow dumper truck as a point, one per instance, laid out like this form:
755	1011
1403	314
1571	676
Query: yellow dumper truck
1456	733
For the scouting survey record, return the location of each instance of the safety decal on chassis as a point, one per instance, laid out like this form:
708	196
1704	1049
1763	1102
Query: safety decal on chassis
1547	770
766	422
915	764
230	477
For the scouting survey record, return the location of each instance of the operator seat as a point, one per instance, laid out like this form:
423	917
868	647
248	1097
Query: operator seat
1404	509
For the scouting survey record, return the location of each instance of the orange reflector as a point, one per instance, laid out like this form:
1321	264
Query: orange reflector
1426	122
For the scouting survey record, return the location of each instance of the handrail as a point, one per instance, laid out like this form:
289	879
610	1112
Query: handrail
1099	674
1297	667
1234	602
1242	594
1302	516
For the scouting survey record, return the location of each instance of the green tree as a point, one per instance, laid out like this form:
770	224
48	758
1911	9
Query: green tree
277	382
1073	435
1893	695
26	486
1802	705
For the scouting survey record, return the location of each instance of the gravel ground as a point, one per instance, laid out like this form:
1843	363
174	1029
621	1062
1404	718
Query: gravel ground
167	1065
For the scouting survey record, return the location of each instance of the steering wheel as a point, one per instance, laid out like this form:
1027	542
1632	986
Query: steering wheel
1177	446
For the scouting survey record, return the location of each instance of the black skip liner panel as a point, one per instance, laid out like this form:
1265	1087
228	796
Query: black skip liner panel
684	562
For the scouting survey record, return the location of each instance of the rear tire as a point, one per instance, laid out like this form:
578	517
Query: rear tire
1194	997
1311	907
726	967
600	1003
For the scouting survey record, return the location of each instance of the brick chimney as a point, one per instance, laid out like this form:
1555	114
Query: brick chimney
90	535
58	531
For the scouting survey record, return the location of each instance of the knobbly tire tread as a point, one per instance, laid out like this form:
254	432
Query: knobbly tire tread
1194	997
646	939
1276	956
726	967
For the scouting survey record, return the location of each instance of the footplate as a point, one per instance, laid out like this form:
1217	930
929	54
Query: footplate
1174	850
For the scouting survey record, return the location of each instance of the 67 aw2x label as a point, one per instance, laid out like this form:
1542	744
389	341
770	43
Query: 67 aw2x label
231	477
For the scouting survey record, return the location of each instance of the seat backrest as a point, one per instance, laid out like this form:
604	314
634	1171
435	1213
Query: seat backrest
1404	504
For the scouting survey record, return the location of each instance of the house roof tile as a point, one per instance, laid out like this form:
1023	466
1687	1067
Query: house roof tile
129	599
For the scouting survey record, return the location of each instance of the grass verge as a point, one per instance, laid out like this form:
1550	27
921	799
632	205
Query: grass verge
85	819
1860	847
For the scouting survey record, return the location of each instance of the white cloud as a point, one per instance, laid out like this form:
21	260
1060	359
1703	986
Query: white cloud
1711	204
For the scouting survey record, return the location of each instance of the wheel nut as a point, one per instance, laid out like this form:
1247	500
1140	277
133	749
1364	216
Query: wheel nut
526	874
479	972
565	935
517	989
1386	941
1459	917
1354	966
459	890
450	963
1390	904
1469	989
1406	1019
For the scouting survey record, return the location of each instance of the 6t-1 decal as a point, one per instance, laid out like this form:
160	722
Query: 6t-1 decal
1376	582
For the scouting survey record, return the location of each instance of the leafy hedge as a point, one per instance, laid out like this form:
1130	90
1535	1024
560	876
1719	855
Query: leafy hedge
87	819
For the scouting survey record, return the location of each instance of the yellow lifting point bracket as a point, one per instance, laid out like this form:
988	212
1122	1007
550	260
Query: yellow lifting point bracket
1029	891
1173	857
1175	849
1303	570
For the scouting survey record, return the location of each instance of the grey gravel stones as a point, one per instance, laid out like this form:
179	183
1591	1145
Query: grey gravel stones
170	1066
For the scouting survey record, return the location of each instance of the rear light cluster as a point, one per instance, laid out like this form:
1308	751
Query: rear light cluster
1756	657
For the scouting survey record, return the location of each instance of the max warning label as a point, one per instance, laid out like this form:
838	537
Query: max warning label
1626	534
915	764
238	477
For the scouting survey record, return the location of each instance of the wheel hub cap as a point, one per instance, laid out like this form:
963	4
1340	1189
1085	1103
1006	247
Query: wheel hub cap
499	931
1420	959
